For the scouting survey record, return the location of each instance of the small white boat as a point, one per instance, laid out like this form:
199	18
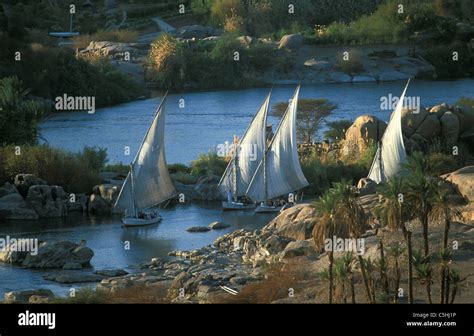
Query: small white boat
133	221
148	183
267	208
228	206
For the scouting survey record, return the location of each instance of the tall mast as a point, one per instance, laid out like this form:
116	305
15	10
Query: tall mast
135	213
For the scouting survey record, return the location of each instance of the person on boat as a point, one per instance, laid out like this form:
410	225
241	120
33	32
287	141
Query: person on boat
229	196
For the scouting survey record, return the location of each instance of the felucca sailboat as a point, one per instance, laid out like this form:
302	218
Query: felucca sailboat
279	172
148	183
391	154
245	160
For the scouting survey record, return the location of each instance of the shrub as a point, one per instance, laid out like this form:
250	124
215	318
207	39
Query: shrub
52	72
18	116
76	172
337	129
441	57
208	164
184	178
178	168
322	175
351	65
121	35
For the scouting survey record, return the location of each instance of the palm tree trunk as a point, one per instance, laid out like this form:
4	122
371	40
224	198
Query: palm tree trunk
353	289
428	290
443	282
331	279
364	277
425	235
410	268
447	289
447	224
383	269
453	294
397	279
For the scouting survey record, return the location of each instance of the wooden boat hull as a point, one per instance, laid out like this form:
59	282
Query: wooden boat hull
267	209
133	222
230	206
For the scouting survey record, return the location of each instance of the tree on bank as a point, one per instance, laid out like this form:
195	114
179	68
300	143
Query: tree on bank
311	113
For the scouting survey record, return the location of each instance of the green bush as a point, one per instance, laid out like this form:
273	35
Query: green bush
75	172
337	129
441	57
321	176
52	72
18	115
184	178
208	164
178	168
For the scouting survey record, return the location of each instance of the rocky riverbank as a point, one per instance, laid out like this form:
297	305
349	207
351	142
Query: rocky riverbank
306	63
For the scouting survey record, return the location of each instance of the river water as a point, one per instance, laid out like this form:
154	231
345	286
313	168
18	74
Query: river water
206	120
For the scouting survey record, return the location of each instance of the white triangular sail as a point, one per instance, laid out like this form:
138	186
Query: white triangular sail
247	155
391	155
151	181
280	173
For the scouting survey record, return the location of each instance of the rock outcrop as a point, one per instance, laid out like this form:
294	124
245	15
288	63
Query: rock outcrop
361	133
420	127
29	296
48	201
291	42
13	206
205	189
50	255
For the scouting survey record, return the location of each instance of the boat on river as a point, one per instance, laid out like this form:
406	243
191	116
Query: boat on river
246	156
148	183
279	172
391	153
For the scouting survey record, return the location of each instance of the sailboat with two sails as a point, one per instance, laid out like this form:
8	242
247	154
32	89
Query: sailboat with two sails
148	182
276	173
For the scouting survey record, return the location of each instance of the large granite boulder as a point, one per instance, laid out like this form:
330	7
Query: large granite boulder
420	127
296	222
463	180
107	191
366	186
27	296
48	201
13	206
99	205
291	42
58	254
23	182
361	133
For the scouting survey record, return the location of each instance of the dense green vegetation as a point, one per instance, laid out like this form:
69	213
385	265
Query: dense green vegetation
75	172
206	64
52	72
18	115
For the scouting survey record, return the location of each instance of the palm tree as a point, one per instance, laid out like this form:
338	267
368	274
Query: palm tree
393	216
355	217
395	252
445	258
424	271
328	226
342	216
421	186
444	211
